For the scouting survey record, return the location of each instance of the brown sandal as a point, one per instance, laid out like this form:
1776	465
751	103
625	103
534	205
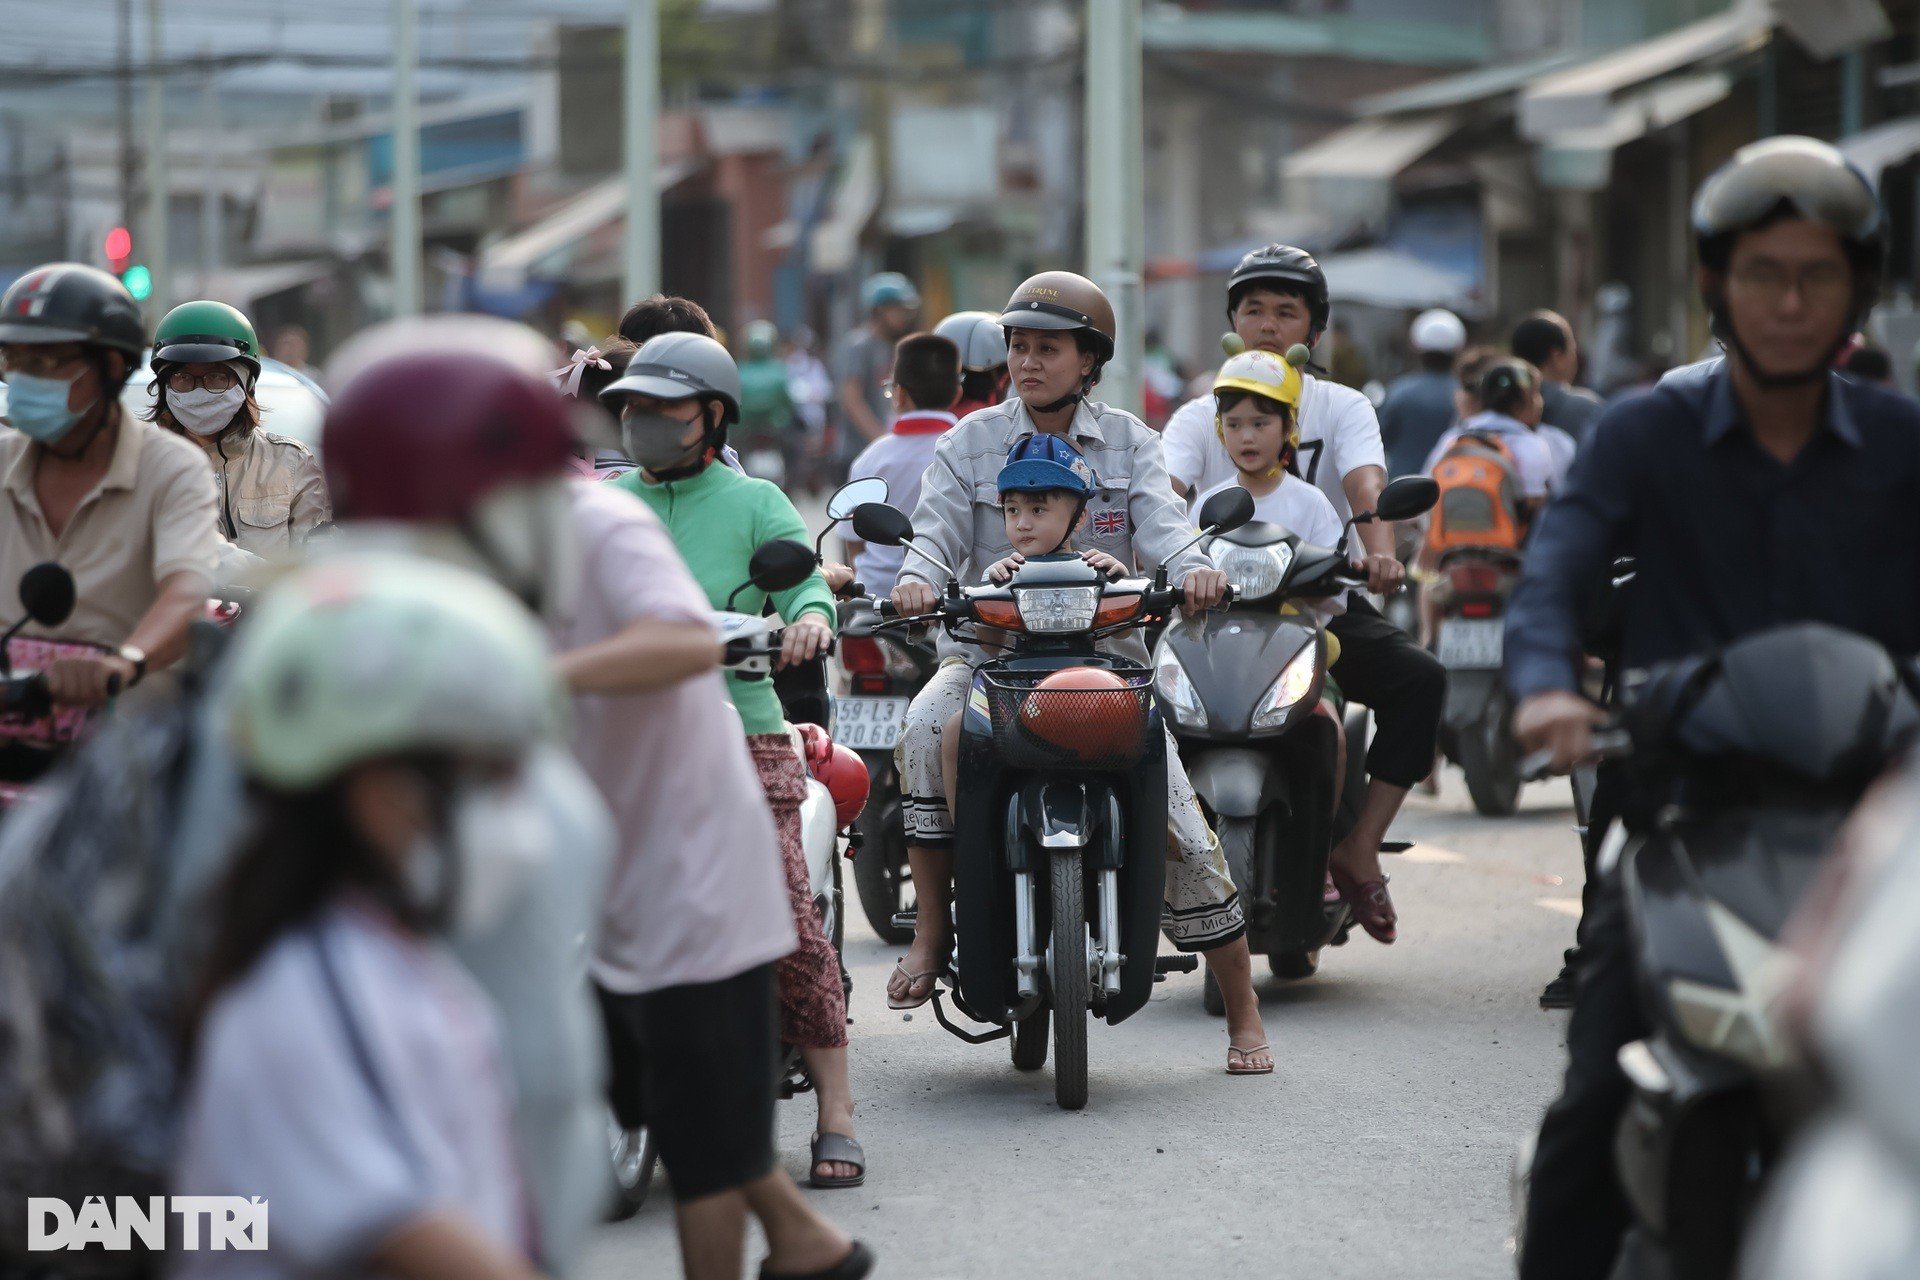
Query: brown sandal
1372	905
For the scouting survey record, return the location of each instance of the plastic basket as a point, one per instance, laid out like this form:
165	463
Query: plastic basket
1095	730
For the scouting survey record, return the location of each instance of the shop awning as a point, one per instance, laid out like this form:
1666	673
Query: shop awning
1582	159
545	246
1388	278
1585	96
1891	143
242	287
1351	171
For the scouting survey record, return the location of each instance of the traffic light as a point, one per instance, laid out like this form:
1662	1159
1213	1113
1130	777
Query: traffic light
119	248
139	281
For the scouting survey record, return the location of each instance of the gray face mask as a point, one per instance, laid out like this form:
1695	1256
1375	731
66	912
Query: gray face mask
655	441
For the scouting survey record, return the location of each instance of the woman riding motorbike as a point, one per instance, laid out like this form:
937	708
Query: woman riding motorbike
1060	333
680	393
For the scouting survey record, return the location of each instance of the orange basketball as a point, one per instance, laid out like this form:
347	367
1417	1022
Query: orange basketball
1089	727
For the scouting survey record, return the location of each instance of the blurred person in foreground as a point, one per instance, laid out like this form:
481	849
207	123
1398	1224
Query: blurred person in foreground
1545	340
864	361
343	1067
1746	488
1419	405
206	362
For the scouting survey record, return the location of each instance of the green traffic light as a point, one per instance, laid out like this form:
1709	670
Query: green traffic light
139	281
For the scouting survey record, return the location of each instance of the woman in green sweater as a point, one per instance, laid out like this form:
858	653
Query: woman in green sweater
679	393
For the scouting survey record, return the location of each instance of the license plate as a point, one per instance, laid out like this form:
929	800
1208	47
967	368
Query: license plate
869	724
1470	644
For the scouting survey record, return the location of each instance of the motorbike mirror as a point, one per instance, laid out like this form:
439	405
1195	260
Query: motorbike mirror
853	495
881	524
1407	497
46	593
780	565
1226	510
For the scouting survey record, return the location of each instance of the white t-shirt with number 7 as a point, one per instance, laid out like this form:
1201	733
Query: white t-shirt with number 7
1338	435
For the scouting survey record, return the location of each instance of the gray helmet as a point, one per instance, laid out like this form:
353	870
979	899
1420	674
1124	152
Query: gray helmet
1811	177
678	366
982	342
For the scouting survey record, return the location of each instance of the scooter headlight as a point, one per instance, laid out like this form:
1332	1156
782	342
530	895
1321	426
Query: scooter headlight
1254	572
1176	691
1742	1023
1054	609
1288	689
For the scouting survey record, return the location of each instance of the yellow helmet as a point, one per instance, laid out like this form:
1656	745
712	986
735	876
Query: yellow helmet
1263	374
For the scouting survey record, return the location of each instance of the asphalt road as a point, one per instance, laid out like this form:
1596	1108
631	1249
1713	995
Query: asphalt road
1381	1146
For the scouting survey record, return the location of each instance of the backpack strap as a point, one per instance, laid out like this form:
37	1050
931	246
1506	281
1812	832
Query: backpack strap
357	1046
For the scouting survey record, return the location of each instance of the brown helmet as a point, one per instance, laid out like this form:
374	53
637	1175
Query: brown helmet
1062	300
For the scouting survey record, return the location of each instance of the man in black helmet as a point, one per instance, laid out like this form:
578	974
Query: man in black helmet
1753	489
127	508
1277	298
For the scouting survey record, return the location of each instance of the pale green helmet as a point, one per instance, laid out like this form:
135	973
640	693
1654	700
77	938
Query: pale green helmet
359	658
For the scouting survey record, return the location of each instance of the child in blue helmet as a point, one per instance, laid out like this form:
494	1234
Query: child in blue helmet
1044	489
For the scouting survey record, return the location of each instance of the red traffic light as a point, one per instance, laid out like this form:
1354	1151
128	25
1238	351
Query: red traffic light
119	245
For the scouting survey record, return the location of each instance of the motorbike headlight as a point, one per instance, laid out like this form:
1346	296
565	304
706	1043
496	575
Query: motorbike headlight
1253	572
1176	692
1289	688
1054	609
1742	1022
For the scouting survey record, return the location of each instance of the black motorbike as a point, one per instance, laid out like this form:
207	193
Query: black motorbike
1737	770
1241	687
1059	863
1472	586
32	737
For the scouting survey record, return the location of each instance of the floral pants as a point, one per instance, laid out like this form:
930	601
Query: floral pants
1201	908
813	1005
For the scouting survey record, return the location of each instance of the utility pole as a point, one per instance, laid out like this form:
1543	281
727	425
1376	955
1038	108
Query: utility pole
1116	238
642	150
123	113
404	220
211	201
159	189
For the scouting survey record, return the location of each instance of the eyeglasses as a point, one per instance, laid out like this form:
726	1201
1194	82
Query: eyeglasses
33	362
1772	281
218	378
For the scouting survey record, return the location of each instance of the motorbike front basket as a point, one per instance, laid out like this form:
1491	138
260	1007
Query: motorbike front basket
1090	730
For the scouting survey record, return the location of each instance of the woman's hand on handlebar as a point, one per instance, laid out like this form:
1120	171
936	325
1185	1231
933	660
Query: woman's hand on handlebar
911	598
803	639
88	680
1203	589
1558	725
839	577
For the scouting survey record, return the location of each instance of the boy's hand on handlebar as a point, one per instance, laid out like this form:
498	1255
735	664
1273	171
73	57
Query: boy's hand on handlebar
89	680
1104	563
804	639
1385	573
911	598
1002	570
1560	724
1204	588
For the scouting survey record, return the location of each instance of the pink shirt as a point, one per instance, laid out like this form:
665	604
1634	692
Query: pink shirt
696	892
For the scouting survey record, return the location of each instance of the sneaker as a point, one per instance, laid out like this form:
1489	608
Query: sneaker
1559	992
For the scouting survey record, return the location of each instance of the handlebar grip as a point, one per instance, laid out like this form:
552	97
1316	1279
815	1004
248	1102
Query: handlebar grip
26	696
884	608
113	686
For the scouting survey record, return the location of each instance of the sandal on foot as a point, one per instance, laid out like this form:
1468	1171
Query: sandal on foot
836	1148
1245	1056
931	977
855	1266
1372	906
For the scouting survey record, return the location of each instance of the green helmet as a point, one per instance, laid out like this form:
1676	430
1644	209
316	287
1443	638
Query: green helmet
351	660
762	338
206	332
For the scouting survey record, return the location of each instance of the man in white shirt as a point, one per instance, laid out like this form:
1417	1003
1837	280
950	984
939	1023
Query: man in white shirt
926	386
1276	298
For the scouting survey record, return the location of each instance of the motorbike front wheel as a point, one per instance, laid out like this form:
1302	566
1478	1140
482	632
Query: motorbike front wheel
1067	976
1491	760
634	1157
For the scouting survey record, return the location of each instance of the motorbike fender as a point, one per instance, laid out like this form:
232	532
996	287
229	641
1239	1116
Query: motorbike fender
819	836
1054	814
1682	1145
1468	693
1237	782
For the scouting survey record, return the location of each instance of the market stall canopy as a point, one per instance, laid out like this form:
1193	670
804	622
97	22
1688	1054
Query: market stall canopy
546	247
1585	96
1387	278
1351	171
1894	142
1582	159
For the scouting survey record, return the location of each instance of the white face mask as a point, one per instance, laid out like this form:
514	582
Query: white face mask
499	837
204	412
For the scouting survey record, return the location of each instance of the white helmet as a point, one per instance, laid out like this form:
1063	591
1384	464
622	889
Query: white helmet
1438	330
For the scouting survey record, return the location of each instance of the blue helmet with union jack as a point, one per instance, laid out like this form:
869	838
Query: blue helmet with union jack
72	302
1044	463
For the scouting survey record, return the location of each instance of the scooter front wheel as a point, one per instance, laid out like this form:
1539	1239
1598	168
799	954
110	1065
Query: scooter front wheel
1067	977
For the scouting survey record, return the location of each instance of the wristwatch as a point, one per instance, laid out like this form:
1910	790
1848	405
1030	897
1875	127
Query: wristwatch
138	657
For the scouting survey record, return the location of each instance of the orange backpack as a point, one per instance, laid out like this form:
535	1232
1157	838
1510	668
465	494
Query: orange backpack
1479	503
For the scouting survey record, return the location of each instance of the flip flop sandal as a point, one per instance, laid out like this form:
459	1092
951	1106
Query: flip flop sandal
932	977
1243	1069
855	1266
1372	906
836	1148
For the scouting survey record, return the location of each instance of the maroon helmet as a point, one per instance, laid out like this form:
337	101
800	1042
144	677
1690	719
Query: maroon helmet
424	436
